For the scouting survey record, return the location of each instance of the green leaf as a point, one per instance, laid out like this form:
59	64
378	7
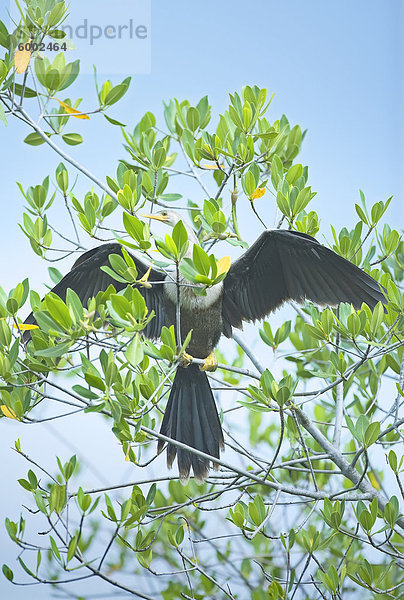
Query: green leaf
302	200
151	494
180	237
34	139
372	433
159	155
94	381
238	515
56	14
57	498
235	117
72	139
266	334
72	548
47	324
366	520
193	118
62	177
58	310
114	121
32	479
4	40
57	34
361	426
24	566
113	274
54	351
25	484
276	171
283	203
293	174
392	458
249	184
7	572
74	305
52	79
361	214
135	352
201	260
84	392
392	241
110	508
54	548
115	94
390	514
377	319
40	502
179	535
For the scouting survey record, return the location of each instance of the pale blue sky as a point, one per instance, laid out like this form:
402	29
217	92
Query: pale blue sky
335	69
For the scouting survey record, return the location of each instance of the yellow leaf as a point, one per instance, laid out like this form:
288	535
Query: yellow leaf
144	280
72	111
223	265
8	412
21	60
374	481
213	166
146	275
259	192
25	326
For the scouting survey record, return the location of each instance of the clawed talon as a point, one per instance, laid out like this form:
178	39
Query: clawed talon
186	359
210	363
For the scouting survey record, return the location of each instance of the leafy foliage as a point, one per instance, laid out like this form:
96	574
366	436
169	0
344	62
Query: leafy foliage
307	502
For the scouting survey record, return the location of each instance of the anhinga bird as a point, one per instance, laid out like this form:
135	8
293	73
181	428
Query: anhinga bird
281	265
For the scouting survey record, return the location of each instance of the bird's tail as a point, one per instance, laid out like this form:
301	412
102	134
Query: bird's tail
191	418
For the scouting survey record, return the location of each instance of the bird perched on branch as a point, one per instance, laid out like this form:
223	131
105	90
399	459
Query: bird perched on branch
280	265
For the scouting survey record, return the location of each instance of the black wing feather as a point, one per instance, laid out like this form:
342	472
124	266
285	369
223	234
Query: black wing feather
87	279
287	265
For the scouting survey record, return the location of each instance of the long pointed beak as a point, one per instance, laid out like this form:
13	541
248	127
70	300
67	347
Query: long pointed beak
155	217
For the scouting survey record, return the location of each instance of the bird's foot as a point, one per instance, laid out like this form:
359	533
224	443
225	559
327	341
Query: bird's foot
185	360
210	363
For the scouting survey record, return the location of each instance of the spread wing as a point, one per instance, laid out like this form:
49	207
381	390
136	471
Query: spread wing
287	265
87	279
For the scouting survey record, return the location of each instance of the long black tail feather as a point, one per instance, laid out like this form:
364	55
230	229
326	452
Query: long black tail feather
191	418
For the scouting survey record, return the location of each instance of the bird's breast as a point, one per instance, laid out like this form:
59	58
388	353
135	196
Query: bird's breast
202	314
188	299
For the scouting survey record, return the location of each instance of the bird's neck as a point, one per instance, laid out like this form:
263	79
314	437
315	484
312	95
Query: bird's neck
192	239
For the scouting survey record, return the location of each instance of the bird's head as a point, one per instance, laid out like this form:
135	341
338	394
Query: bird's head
170	217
